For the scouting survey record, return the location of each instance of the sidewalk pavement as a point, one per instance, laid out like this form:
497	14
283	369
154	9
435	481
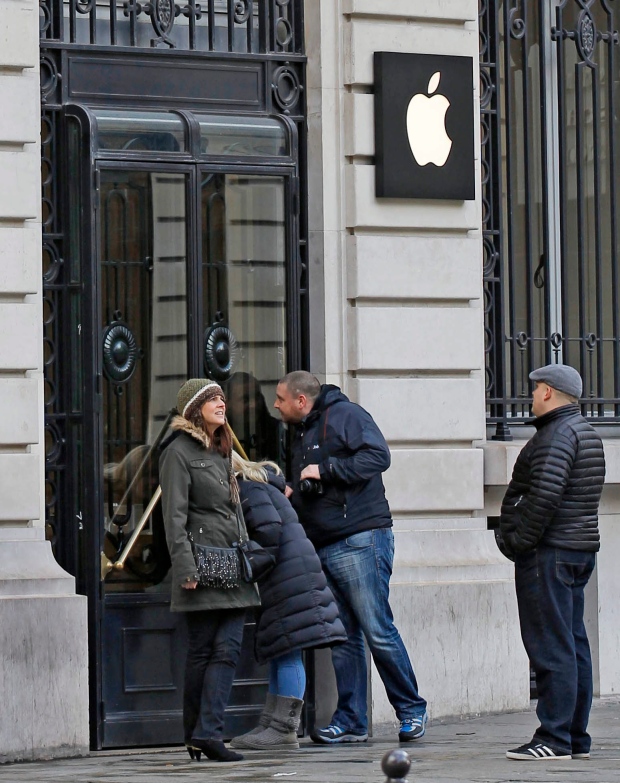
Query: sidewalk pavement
451	752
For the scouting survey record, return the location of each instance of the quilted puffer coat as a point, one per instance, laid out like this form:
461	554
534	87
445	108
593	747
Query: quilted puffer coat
298	610
556	486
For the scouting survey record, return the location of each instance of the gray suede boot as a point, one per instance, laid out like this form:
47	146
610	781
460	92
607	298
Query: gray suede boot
263	722
282	731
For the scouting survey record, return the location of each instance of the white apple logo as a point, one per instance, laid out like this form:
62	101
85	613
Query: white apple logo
426	127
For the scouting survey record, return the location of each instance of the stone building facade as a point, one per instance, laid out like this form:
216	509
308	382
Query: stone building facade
397	316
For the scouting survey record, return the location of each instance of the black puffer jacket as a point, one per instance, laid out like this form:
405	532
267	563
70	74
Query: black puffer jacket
343	439
556	486
298	610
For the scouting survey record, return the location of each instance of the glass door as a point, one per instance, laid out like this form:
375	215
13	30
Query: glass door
244	301
192	278
143	262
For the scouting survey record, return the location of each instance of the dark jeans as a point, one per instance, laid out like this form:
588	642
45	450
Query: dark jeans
550	592
214	646
358	571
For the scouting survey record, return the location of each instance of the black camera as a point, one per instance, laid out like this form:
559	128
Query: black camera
311	487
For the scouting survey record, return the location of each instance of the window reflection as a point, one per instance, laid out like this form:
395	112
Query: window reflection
241	136
244	289
143	258
139	131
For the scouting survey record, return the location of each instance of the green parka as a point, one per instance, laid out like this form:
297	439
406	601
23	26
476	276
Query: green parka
196	499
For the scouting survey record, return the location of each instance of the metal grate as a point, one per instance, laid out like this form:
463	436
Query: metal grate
549	95
235	26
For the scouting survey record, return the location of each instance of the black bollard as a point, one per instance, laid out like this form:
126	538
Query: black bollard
395	764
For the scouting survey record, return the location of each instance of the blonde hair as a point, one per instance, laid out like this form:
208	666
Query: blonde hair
252	471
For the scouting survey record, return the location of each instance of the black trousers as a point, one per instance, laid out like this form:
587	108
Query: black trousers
214	647
550	586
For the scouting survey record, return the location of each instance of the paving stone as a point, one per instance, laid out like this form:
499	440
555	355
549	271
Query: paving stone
451	752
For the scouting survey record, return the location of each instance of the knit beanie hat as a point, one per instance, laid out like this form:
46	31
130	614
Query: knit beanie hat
194	393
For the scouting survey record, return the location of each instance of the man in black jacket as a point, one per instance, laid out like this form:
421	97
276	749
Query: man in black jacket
549	526
338	456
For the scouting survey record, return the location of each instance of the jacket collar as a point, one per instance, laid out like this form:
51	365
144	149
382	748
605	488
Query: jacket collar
557	413
180	424
329	395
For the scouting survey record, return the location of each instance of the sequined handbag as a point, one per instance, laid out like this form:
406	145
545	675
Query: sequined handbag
216	566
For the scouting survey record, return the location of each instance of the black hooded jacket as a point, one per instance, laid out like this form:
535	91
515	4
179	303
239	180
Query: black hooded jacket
342	438
556	486
298	610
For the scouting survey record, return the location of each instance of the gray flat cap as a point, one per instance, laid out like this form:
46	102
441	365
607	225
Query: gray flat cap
562	377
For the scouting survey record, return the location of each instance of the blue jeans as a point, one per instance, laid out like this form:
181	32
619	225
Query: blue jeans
358	571
214	646
287	676
550	593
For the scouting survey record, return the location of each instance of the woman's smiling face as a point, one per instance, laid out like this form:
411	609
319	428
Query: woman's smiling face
213	413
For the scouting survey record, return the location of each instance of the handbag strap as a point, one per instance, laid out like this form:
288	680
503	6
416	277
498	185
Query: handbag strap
238	511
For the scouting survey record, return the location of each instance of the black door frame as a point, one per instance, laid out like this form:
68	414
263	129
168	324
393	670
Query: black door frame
91	164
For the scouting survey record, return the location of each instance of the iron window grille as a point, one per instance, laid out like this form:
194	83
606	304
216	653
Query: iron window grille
549	90
239	26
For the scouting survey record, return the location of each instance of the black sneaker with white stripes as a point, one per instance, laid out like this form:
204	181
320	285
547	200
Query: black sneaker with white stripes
536	751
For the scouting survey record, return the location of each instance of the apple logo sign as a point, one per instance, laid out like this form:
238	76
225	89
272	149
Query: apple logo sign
424	113
426	125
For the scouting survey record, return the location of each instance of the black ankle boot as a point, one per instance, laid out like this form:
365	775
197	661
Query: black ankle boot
215	750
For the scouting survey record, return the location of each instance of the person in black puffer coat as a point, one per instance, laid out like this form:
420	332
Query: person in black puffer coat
298	610
549	527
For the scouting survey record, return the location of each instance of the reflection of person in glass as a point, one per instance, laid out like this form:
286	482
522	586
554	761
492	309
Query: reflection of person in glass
132	482
248	414
200	499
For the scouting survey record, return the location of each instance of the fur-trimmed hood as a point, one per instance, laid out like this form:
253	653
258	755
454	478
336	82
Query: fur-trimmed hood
181	424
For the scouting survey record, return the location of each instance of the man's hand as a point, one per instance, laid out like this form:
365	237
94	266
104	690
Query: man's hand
311	472
189	585
288	491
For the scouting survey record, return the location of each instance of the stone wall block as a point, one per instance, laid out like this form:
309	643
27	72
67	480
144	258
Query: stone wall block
366	36
359	118
607	576
425	480
44	677
20	262
364	210
20	192
444	10
19	39
20	92
414	267
416	338
19	424
20	336
425	409
20	486
465	647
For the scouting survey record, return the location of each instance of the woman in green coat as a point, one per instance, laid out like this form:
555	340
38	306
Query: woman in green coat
200	499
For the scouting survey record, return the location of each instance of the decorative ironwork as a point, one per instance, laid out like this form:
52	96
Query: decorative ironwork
550	263
221	351
239	26
585	33
516	22
162	13
286	88
120	352
243	9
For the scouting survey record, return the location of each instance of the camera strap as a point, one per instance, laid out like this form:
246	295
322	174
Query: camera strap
322	441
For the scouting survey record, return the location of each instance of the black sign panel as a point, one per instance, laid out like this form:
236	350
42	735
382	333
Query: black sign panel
424	126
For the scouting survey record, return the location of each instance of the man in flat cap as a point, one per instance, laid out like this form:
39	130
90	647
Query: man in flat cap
549	527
